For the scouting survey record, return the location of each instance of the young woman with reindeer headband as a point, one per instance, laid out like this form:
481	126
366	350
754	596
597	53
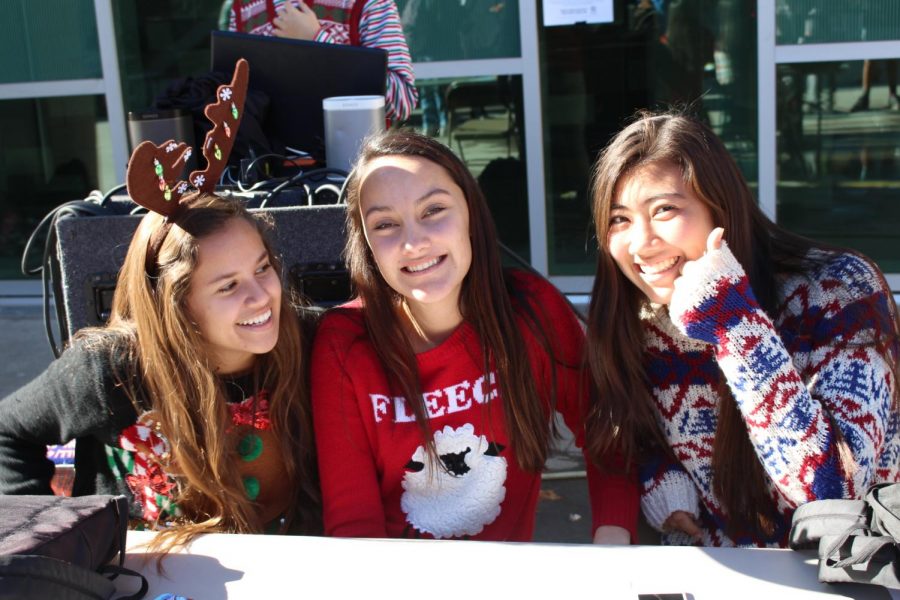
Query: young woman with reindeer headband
433	390
192	399
749	370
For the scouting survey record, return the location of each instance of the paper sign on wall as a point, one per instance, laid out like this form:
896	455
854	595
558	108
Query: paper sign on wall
569	12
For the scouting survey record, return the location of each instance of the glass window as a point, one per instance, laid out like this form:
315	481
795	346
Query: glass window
829	21
480	118
162	41
460	29
839	155
54	150
700	53
47	41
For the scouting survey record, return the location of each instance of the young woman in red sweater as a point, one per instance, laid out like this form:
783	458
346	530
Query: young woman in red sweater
433	390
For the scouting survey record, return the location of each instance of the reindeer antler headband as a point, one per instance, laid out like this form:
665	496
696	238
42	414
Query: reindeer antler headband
153	171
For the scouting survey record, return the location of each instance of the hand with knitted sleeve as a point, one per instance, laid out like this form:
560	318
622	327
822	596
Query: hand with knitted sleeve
839	317
666	488
330	33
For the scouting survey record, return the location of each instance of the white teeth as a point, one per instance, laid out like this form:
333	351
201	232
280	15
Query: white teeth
658	267
423	266
259	319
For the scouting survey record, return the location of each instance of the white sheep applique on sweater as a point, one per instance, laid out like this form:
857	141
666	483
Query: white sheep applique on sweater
462	497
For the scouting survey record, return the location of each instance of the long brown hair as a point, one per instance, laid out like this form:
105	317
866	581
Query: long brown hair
485	302
622	417
178	384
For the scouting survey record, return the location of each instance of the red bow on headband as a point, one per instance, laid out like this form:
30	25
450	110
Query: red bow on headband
153	171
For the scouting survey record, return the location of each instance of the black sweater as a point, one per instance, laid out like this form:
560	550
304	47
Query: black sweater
80	396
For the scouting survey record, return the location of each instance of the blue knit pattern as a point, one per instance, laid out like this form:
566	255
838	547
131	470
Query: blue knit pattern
827	358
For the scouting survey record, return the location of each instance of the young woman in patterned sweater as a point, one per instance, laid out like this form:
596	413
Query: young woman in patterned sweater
747	369
433	391
192	401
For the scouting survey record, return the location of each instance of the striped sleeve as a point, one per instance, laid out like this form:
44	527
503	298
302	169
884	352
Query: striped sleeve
380	27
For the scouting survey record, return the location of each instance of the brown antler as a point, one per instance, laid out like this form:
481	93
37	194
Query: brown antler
153	171
225	115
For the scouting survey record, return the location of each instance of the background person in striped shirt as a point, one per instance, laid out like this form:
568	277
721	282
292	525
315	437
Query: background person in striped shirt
367	23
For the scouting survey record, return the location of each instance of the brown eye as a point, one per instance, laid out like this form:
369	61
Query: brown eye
383	226
666	208
433	210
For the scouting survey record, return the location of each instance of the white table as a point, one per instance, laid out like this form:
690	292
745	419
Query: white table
253	566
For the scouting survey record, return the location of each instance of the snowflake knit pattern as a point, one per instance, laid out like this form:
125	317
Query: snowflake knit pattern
826	359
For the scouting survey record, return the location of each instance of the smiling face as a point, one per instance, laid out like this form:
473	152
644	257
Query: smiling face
235	297
416	223
656	224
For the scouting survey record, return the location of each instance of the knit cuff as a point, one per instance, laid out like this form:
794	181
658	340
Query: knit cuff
673	491
331	34
325	36
701	300
615	496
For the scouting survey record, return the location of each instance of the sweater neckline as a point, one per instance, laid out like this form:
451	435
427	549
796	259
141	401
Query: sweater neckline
239	388
461	337
658	315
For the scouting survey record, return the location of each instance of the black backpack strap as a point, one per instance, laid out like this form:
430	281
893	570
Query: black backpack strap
858	540
113	571
859	559
884	502
819	518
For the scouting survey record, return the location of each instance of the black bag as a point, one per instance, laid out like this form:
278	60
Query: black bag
57	547
858	540
193	94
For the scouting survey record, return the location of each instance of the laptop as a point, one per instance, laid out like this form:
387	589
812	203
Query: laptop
297	75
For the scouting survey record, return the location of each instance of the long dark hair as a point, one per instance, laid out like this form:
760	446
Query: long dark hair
485	302
622	417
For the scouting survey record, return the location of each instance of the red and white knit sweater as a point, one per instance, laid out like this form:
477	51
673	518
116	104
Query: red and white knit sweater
379	27
377	480
825	358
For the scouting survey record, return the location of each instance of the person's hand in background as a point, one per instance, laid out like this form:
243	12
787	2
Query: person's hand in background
296	23
684	522
611	534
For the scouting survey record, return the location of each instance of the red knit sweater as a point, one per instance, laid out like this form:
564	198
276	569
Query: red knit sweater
376	477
